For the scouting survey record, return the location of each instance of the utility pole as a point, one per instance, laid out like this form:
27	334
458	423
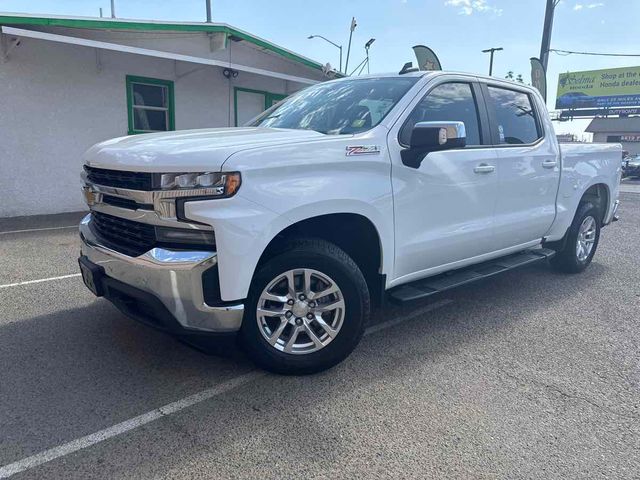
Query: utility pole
353	27
546	32
492	51
208	11
113	8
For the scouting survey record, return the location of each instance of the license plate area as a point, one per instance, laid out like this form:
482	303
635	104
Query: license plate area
92	276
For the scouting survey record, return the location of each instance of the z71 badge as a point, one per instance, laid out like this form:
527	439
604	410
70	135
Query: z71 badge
363	150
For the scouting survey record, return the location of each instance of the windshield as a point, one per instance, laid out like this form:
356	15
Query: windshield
345	107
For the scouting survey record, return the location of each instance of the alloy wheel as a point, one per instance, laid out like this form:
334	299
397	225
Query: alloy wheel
300	311
586	238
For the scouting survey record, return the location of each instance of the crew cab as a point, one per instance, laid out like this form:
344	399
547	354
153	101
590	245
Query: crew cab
285	233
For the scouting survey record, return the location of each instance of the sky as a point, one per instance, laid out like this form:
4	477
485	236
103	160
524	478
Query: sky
457	30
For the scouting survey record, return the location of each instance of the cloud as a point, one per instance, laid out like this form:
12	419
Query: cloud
468	7
581	6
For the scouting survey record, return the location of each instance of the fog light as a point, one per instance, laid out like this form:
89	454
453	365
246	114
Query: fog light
183	235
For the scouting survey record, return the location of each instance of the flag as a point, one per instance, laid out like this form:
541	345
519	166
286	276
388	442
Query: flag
539	77
427	59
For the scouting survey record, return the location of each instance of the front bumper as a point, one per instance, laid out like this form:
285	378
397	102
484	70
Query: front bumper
161	287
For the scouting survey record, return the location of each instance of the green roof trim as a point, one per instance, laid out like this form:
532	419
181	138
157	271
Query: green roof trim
118	24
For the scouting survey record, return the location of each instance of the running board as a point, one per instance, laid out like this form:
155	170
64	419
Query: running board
455	278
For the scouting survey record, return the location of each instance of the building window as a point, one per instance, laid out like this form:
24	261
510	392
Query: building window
150	105
248	103
614	138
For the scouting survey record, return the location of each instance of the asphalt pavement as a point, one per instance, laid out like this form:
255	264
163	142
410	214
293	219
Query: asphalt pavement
529	374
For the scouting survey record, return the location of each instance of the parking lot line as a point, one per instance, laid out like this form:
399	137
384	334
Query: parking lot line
38	229
174	407
40	280
126	426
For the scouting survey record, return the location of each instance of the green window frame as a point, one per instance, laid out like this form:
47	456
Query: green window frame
132	80
269	99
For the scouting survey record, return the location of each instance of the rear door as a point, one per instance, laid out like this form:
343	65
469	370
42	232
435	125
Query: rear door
528	166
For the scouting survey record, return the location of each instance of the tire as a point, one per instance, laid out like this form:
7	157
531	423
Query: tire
315	266
569	259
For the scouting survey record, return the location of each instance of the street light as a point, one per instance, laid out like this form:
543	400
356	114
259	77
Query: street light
366	48
365	62
339	47
491	50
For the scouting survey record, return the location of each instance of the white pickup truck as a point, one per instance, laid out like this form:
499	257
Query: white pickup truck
286	232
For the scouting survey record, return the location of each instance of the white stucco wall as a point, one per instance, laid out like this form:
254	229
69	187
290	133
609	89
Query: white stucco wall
55	102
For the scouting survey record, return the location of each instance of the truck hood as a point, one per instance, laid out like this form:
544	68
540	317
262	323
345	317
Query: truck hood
187	150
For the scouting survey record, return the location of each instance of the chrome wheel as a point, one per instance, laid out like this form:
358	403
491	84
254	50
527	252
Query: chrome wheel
300	311
586	238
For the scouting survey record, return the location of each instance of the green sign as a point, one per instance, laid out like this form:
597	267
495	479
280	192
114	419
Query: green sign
615	87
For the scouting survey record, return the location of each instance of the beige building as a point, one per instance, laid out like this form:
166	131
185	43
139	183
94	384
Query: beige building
624	130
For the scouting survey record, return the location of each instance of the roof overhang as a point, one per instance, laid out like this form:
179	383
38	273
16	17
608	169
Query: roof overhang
23	19
52	37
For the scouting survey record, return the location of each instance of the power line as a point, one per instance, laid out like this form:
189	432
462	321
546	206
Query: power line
571	52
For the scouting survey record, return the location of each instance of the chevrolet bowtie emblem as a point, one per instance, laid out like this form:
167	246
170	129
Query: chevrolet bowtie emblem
91	197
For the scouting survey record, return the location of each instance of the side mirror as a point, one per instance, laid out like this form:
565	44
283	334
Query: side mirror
431	137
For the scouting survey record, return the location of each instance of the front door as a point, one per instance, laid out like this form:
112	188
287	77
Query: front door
528	166
444	209
250	103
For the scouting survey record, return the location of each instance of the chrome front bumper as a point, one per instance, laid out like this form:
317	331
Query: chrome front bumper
172	277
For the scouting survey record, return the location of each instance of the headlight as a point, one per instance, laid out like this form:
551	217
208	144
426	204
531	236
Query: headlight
222	184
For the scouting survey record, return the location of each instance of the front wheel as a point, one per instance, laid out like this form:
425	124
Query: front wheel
581	241
307	309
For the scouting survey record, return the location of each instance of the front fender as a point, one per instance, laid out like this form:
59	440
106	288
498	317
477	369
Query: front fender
244	229
283	185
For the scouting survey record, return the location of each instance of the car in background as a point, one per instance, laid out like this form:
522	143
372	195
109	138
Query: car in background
574	100
631	166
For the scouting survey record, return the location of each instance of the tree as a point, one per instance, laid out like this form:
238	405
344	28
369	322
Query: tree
511	76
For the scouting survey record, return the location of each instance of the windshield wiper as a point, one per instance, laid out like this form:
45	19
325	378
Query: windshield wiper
272	116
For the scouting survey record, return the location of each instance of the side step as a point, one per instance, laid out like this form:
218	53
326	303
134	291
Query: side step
455	278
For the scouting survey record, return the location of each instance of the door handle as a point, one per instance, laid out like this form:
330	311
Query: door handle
549	164
484	168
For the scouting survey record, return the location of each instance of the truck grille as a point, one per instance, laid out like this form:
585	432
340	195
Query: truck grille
124	236
120	179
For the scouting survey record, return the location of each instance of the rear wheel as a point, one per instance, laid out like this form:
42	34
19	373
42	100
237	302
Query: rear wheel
581	241
306	310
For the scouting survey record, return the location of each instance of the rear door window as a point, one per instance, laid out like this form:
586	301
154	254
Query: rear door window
515	117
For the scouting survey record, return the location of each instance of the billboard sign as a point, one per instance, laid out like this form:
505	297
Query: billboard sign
595	112
614	87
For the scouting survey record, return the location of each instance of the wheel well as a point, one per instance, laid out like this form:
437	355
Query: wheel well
353	233
598	194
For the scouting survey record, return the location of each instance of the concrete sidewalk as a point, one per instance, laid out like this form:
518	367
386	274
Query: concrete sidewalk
38	222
